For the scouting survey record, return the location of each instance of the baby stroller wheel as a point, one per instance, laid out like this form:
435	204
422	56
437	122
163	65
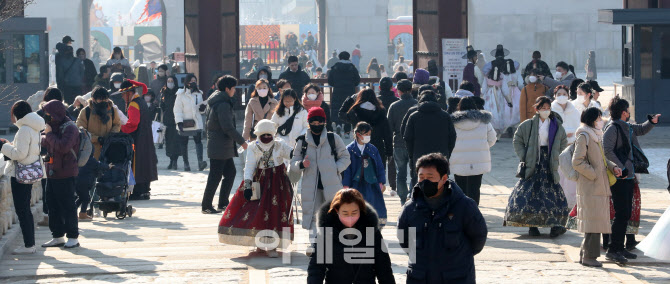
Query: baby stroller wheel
129	210
120	215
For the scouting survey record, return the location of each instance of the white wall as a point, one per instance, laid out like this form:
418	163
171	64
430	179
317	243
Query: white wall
64	17
365	25
562	30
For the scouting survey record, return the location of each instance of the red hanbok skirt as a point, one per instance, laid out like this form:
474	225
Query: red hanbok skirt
270	216
633	222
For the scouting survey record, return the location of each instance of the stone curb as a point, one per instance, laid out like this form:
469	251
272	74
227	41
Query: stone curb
14	232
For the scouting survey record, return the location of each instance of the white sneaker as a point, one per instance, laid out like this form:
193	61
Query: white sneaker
393	193
72	243
25	250
55	242
97	212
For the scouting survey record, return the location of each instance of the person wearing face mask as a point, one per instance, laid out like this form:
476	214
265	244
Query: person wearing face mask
573	88
593	187
563	76
536	63
265	73
440	223
144	166
538	200
596	94
313	97
188	108
261	106
619	142
496	92
99	119
248	213
571	121
584	98
529	94
290	117
319	157
161	79
349	211
172	139
471	72
369	108
89	71
115	81
367	172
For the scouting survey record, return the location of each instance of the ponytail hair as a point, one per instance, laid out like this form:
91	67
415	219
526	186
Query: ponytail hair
572	69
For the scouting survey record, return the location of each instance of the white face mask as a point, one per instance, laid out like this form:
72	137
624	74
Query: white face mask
262	92
532	79
366	139
170	85
263	76
558	75
312	97
599	124
562	99
544	114
117	85
580	99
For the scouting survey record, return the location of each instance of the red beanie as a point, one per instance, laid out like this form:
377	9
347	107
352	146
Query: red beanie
316	112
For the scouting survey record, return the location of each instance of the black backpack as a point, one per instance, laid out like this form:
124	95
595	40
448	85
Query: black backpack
331	142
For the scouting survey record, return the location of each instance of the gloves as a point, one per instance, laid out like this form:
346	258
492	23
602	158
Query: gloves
248	192
203	107
181	126
509	104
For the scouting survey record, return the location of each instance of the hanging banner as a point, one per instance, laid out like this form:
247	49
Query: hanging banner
453	50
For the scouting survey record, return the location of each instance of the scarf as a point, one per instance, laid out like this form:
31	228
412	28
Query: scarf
310	104
101	111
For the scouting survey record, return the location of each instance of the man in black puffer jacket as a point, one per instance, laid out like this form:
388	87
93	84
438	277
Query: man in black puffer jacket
429	130
344	78
294	75
440	227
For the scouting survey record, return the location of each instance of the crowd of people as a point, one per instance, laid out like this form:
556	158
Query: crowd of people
579	164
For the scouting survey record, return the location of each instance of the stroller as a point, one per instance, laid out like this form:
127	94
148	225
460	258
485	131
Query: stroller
112	185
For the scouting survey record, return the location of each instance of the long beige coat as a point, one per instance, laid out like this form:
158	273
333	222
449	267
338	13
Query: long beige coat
593	190
255	113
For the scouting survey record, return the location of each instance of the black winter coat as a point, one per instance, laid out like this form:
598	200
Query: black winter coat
396	115
222	136
342	113
446	239
339	271
387	98
382	137
429	130
90	72
297	79
145	162
344	78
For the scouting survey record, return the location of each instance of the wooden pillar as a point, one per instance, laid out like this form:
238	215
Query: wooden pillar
230	36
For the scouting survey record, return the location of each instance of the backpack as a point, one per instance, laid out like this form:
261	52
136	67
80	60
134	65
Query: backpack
565	161
85	145
331	141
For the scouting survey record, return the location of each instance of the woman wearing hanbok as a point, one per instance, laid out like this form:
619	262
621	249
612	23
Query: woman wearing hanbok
268	216
538	199
514	83
496	95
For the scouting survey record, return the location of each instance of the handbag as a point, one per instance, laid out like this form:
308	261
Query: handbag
640	161
31	173
521	169
610	175
189	123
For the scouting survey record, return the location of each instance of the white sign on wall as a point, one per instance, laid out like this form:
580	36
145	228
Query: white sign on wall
453	63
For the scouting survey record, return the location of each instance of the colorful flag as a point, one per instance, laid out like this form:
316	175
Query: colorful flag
152	10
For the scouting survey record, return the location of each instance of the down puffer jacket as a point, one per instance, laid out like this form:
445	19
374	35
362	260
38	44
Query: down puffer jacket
474	137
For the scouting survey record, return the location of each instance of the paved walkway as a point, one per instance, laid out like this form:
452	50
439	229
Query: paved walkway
170	241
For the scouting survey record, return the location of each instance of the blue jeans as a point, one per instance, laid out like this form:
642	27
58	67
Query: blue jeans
401	162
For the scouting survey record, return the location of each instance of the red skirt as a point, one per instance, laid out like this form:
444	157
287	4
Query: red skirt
633	222
270	218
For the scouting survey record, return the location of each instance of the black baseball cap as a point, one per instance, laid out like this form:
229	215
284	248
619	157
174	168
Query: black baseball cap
595	86
67	39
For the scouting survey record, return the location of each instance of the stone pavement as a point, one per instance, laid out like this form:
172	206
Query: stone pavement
168	240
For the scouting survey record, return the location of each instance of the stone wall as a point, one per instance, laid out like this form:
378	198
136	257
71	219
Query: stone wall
561	30
366	24
8	216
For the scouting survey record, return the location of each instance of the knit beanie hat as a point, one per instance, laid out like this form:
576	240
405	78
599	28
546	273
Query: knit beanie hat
316	113
421	76
265	126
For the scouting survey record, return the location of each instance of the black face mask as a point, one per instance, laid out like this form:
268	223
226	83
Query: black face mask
47	118
428	187
317	129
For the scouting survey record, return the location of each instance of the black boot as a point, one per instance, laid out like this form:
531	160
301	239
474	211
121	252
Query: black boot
187	167
631	243
198	151
533	232
606	241
172	165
